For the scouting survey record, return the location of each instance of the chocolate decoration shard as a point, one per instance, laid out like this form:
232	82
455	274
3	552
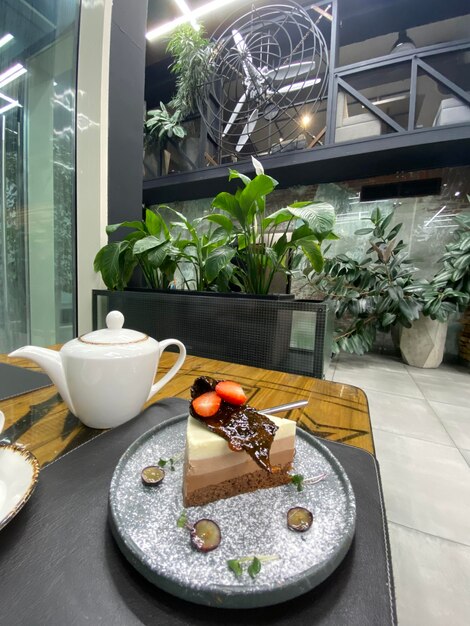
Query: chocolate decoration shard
243	427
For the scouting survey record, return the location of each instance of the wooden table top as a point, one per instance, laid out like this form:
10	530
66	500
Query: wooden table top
335	411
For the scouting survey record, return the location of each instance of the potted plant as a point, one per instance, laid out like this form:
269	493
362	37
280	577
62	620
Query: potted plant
233	255
191	66
448	293
374	293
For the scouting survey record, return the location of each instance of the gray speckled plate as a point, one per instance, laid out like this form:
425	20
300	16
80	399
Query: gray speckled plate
143	521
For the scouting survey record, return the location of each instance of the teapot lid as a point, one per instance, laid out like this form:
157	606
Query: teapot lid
114	334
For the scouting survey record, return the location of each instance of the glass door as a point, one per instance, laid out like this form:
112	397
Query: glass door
38	60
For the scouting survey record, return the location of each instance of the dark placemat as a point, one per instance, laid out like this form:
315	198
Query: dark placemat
15	381
60	564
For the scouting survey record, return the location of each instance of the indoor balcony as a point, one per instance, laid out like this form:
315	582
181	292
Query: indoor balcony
378	115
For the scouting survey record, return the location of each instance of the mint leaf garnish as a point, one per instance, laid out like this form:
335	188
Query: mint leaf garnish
162	463
298	481
235	566
182	520
254	568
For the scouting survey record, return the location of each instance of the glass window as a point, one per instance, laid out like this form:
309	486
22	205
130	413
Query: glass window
38	54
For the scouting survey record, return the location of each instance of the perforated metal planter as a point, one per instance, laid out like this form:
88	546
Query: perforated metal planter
273	332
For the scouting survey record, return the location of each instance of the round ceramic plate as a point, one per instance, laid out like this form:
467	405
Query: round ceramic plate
19	471
144	523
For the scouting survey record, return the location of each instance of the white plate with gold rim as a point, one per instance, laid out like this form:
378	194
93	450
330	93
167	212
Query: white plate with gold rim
19	470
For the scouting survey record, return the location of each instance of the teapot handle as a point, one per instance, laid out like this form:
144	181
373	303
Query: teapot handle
169	375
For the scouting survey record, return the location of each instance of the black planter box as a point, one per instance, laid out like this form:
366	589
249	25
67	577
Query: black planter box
273	332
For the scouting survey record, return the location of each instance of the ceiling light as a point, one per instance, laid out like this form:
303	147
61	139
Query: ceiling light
457	194
5	39
403	43
389	99
11	74
193	15
300	85
185	10
306	119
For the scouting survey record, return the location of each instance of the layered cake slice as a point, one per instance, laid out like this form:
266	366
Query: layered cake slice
230	447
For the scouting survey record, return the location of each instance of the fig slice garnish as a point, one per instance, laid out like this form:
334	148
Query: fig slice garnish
152	475
299	519
205	535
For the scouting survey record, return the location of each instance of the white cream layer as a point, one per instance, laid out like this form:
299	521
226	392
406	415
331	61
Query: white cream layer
201	443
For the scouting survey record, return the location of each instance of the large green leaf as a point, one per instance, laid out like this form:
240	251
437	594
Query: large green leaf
313	253
234	174
153	222
221	220
278	217
256	189
318	216
217	260
159	255
229	203
107	262
113	227
148	243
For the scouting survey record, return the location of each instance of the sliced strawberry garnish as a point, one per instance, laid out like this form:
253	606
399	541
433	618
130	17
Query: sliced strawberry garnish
207	404
231	392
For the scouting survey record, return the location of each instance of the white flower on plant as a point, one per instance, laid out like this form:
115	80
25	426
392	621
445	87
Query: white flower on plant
259	169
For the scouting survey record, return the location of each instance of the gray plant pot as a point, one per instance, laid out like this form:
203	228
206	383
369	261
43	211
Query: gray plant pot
423	344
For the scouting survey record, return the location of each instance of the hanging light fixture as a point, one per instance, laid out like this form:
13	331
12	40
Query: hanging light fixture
403	43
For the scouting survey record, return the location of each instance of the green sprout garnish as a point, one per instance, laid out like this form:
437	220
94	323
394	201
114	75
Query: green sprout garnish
298	481
235	566
182	520
254	567
171	461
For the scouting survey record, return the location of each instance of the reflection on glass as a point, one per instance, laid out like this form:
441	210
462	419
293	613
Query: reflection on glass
38	48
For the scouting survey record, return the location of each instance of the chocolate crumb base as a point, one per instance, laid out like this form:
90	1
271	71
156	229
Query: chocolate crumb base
260	479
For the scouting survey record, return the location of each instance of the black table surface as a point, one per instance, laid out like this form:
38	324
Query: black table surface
60	565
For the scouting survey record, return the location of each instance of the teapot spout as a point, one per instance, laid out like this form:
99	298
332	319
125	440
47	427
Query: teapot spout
51	362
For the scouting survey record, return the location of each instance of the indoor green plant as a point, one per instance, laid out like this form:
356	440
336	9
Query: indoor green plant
448	293
264	243
149	245
191	66
240	249
244	325
374	293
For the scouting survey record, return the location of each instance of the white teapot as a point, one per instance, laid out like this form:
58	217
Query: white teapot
106	376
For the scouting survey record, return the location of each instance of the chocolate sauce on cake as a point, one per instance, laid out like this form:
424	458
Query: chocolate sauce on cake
242	427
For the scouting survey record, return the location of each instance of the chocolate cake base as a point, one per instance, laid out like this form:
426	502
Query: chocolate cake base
235	486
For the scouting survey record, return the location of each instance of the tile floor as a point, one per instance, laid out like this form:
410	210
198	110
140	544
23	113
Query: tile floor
421	425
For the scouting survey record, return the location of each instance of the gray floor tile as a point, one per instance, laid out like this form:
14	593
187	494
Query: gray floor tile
399	382
445	390
370	361
456	420
466	455
426	485
406	416
443	372
432	579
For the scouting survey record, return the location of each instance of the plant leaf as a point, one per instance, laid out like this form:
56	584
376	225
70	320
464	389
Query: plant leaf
217	260
254	568
229	203
235	566
222	220
113	227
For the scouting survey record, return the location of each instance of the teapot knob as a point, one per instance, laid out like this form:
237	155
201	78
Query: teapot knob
115	320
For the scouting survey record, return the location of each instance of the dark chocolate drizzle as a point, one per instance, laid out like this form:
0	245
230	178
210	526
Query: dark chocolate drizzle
242	426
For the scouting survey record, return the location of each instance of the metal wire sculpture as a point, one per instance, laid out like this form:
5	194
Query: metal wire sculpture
269	73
